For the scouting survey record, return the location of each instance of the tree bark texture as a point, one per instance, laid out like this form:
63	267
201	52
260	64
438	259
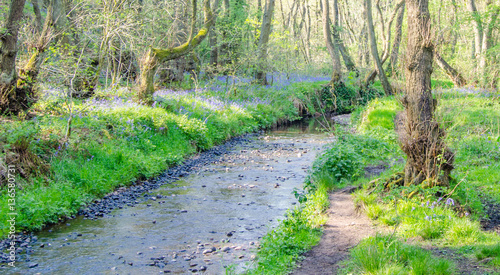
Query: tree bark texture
429	162
265	32
12	100
332	49
373	47
154	56
214	48
487	41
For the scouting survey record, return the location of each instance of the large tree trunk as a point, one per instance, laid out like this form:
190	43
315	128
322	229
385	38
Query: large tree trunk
265	31
332	49
454	75
373	47
60	21
154	56
12	100
428	161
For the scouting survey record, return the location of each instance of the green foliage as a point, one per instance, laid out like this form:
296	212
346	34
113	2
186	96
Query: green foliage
379	113
386	255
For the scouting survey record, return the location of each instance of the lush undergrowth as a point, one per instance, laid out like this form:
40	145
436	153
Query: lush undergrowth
441	217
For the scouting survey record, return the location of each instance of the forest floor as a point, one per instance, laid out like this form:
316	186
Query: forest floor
344	229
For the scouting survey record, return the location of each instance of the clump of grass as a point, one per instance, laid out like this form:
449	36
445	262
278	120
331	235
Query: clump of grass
489	251
387	255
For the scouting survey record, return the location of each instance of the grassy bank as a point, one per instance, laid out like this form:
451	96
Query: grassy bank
444	218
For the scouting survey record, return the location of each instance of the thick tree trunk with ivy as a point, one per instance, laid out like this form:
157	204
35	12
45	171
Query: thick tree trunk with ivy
429	162
154	56
12	100
332	48
265	32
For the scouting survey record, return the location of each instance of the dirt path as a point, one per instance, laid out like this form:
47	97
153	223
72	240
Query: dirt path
344	229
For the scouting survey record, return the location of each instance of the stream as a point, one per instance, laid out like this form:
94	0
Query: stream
204	222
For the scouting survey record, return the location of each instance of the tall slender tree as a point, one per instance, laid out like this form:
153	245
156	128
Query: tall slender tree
265	32
373	48
332	47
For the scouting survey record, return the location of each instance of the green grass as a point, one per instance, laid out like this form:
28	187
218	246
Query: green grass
446	217
386	255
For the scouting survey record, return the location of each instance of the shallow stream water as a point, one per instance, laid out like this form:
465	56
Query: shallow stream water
203	223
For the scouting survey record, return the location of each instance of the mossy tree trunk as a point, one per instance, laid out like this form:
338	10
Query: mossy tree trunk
154	56
429	162
12	100
29	73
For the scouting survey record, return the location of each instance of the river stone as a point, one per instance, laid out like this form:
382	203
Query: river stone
206	251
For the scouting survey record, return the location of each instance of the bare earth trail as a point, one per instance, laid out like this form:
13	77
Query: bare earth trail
344	229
